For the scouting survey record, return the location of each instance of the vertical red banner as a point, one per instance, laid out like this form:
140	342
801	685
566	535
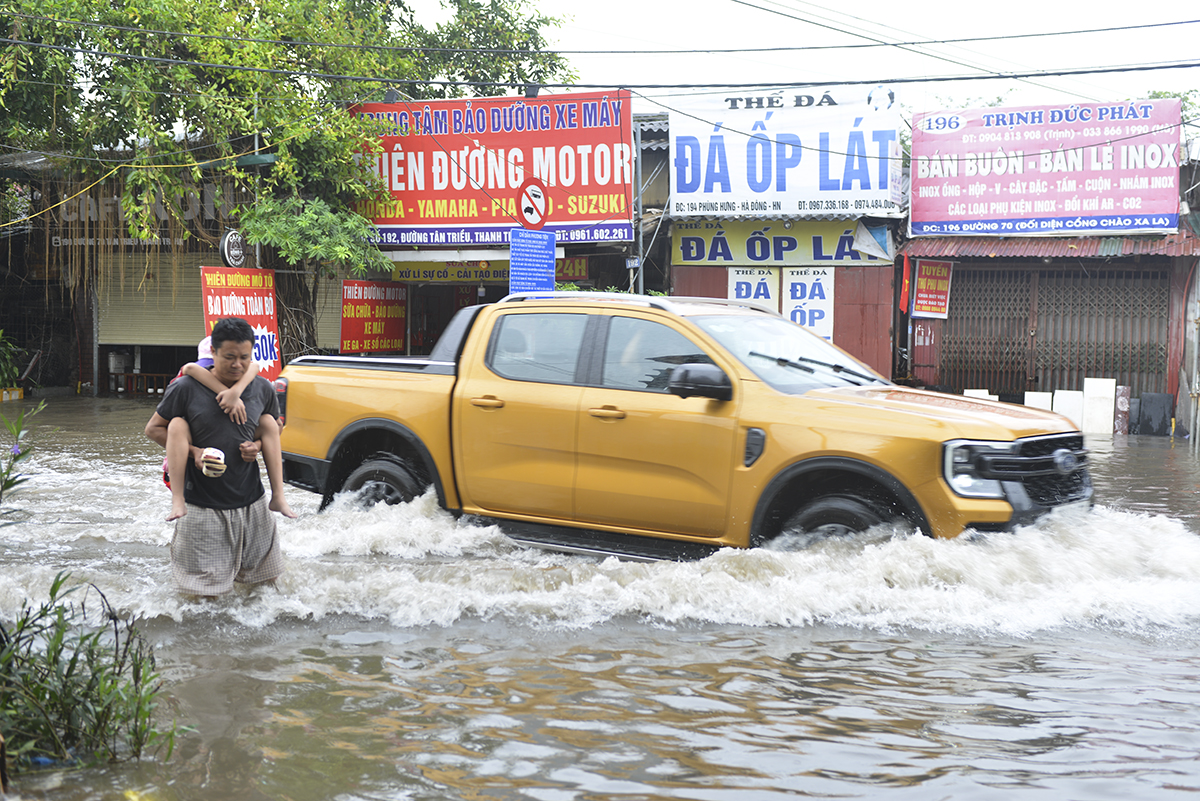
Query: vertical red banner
249	294
373	316
931	297
465	296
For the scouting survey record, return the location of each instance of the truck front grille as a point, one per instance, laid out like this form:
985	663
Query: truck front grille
1053	470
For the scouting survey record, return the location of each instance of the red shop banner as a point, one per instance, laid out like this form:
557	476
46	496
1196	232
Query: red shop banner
373	316
455	168
249	294
931	294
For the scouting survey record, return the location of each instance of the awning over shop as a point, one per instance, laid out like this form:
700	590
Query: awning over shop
1185	242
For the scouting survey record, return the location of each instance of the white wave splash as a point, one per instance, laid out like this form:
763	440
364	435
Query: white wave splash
417	565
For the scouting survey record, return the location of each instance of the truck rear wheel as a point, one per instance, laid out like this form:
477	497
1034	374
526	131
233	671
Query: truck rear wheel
382	480
831	516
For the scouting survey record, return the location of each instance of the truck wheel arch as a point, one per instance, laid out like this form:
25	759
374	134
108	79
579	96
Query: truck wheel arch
805	481
365	439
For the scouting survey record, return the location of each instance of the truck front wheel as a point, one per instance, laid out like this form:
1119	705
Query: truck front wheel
830	516
381	479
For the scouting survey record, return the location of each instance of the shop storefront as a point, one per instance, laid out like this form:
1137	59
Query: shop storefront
788	198
1066	253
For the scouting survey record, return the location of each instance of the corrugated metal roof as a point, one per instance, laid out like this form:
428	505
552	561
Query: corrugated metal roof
25	161
651	122
1183	243
25	166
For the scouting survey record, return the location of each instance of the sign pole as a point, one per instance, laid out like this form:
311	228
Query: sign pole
637	220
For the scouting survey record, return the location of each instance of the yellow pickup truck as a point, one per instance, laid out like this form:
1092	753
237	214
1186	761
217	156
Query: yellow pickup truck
661	427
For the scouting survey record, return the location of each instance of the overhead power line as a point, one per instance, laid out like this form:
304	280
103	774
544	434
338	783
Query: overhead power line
916	48
870	38
87	86
521	84
640	52
209	65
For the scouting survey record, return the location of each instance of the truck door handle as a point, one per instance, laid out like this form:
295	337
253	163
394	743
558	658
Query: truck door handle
487	402
607	413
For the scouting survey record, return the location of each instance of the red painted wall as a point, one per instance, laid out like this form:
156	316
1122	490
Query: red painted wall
862	314
701	282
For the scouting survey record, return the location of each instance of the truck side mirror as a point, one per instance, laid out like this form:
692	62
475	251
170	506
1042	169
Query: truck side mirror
703	380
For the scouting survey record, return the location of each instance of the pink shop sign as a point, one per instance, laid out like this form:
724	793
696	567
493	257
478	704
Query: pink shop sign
1080	169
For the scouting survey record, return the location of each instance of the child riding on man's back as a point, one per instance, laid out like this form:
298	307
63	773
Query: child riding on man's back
229	398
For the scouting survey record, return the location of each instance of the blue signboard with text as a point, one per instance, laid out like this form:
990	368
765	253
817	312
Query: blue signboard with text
531	261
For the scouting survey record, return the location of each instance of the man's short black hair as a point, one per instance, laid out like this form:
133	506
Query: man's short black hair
231	329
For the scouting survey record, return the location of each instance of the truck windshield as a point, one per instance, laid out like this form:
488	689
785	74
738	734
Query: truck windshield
787	357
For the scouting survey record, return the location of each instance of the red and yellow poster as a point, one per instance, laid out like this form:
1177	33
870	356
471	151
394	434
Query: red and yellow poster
373	316
931	288
455	168
249	294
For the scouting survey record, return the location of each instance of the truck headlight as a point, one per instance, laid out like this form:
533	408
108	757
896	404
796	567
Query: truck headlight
963	466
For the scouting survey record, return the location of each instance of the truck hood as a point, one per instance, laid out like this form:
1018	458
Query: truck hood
966	417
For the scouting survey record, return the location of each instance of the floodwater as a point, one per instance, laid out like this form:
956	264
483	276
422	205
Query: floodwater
409	655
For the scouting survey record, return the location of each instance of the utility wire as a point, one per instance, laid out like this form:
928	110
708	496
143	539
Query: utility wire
905	48
518	85
928	79
640	52
209	65
858	24
86	86
904	45
129	165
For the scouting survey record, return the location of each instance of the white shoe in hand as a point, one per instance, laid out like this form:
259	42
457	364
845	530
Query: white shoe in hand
212	462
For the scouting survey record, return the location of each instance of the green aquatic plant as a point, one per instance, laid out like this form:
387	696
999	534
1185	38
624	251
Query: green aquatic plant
16	451
77	683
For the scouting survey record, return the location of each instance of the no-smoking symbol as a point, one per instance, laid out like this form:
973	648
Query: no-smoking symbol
532	205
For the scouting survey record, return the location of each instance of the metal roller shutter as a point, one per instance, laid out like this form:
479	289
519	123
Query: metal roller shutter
164	312
1011	329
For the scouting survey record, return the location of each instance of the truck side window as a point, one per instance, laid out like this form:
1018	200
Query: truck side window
640	354
537	347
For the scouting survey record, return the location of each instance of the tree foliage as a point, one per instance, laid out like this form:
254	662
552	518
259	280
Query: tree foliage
1190	101
464	50
175	91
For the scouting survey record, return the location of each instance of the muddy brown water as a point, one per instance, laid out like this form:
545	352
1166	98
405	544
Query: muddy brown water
409	655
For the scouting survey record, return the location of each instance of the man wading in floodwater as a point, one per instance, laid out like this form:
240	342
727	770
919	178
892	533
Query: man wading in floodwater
228	532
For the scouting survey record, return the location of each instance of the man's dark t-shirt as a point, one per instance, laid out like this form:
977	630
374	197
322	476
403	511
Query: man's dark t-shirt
211	428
